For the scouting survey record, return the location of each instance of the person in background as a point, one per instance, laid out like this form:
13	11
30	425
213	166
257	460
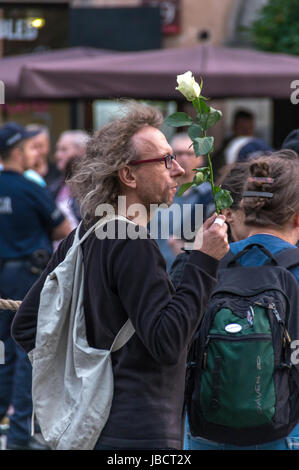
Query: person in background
44	166
243	128
169	247
241	149
233	178
70	147
29	220
291	141
71	144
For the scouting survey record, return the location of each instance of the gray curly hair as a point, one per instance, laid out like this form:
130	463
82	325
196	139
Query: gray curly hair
95	179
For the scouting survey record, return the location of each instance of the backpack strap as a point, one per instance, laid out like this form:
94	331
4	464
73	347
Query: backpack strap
231	259
289	258
224	262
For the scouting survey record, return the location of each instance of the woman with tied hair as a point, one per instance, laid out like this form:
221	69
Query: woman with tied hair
233	178
271	215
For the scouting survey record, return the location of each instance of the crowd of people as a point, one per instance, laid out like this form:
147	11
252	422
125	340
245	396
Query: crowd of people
36	213
162	288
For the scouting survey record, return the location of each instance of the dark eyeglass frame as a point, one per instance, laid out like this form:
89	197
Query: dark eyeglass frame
167	160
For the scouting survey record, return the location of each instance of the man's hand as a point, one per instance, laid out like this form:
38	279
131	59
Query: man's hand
213	237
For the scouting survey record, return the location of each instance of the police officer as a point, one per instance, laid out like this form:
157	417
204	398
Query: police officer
29	221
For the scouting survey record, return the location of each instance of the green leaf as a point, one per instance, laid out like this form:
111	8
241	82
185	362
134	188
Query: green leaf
178	120
199	178
194	131
202	175
215	115
223	198
203	145
202	121
184	188
207	120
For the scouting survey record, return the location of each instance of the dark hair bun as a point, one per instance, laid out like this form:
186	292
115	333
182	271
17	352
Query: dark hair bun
260	169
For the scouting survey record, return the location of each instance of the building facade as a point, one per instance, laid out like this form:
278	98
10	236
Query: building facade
34	26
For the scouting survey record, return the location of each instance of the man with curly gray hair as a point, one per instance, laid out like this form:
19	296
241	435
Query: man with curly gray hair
126	278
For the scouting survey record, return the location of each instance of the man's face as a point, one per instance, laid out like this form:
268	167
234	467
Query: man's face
186	156
30	153
65	151
244	127
155	184
43	144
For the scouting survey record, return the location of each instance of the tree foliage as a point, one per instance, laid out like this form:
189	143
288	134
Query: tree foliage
277	27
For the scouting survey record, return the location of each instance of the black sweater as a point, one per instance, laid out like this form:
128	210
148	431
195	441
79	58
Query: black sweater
128	278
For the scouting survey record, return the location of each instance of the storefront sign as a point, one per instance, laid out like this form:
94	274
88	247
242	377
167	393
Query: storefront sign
17	30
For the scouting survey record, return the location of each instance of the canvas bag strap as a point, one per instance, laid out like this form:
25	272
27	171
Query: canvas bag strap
123	336
78	240
127	329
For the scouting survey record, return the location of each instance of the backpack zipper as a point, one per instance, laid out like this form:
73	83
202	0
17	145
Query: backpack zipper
286	336
251	337
257	336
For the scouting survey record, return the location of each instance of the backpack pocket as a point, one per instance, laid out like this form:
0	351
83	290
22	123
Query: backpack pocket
237	387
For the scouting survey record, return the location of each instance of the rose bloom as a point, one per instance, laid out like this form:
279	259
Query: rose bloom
188	86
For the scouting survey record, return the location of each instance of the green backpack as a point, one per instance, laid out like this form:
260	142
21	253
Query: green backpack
242	385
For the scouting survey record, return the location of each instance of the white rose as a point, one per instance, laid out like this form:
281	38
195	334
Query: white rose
188	86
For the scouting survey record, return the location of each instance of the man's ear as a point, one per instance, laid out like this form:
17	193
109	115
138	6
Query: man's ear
127	176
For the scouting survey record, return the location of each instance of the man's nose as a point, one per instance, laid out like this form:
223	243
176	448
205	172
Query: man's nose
176	169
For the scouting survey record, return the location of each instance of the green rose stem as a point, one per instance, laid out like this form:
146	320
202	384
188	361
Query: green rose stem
212	183
197	105
197	131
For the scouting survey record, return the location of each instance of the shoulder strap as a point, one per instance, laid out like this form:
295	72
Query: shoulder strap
127	329
288	258
100	222
226	259
232	259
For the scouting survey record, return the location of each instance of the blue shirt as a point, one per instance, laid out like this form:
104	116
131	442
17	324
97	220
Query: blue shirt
27	216
255	257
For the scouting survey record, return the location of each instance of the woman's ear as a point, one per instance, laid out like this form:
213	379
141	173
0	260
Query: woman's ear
228	215
296	220
127	176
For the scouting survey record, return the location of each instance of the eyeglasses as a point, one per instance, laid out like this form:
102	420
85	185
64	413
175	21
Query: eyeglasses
167	160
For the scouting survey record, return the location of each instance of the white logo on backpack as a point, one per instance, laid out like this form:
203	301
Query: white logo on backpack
72	383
